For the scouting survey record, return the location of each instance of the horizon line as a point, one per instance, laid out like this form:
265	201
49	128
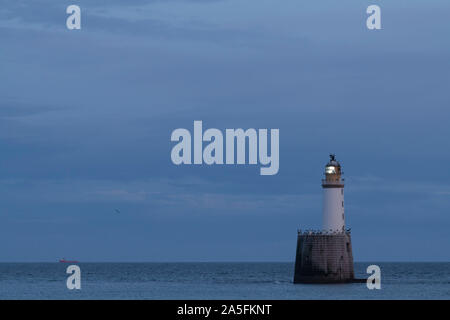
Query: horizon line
218	261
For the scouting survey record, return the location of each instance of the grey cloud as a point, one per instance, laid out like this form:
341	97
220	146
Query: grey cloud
11	109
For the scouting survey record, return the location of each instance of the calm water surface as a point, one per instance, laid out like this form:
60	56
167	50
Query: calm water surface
215	281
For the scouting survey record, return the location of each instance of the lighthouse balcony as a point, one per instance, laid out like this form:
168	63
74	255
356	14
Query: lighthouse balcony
333	182
324	232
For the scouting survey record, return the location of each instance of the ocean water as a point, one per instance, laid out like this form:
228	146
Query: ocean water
215	281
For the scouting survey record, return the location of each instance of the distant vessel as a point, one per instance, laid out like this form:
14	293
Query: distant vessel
63	260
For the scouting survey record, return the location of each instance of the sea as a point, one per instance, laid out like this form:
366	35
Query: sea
216	280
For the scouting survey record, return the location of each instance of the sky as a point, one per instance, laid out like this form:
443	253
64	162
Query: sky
86	118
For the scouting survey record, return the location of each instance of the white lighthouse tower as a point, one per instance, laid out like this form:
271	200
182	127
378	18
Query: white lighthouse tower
333	198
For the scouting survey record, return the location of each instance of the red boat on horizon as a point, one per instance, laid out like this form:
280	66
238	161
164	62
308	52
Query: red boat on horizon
63	260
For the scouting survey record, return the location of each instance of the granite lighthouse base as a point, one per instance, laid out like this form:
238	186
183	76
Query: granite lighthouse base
324	258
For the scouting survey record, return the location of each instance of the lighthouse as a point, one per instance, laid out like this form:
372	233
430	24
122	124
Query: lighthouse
325	256
333	216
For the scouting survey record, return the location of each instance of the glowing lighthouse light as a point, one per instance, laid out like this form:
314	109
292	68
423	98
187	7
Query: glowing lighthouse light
333	197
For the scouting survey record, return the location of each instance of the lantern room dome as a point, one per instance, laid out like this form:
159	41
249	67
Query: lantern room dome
333	161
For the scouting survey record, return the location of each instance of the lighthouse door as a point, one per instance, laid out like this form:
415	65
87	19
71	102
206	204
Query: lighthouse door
341	262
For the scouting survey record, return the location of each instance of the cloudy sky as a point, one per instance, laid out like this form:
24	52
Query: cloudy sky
86	117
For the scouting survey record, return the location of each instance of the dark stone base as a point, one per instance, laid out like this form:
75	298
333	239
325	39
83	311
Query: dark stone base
324	258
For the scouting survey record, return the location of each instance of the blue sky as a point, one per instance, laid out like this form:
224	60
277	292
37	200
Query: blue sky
86	118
